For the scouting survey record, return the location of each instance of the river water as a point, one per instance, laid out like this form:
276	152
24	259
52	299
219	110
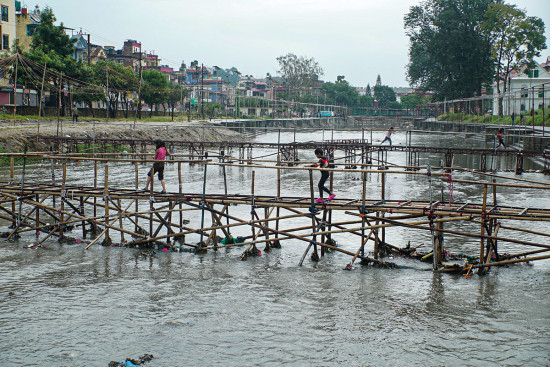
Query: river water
65	306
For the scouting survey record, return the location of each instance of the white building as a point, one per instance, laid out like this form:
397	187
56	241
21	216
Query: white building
8	25
528	89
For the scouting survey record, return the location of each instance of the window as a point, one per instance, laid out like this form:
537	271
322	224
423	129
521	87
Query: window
524	93
541	93
522	108
31	28
4	13
5	42
533	73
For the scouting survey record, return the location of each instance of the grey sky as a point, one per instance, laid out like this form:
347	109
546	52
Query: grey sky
356	38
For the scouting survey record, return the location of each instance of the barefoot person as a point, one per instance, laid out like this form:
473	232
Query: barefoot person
323	163
160	153
388	135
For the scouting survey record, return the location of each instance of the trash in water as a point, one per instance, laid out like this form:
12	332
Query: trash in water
130	362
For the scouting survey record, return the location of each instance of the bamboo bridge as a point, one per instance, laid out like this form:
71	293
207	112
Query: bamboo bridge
127	216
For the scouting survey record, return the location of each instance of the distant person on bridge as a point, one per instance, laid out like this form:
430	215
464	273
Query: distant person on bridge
323	163
74	111
388	136
160	153
500	139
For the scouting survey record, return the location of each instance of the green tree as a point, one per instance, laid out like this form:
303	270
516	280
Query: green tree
50	44
154	90
341	93
448	52
385	96
90	91
52	47
121	81
515	38
174	95
410	101
299	72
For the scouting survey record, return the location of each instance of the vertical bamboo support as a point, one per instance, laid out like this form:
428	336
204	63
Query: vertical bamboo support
276	242
136	174
482	231
121	223
95	187
81	213
151	200
12	181
180	188
266	231
37	215
363	213
439	242
62	200
203	199
252	203
315	255
171	206
53	177
329	227
106	199
383	201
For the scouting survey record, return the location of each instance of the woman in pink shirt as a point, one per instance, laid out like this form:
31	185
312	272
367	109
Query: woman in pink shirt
160	153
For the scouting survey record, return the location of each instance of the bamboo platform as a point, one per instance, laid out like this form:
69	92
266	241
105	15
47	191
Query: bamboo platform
102	214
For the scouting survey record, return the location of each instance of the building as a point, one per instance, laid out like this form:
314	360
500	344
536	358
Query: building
27	22
98	53
129	56
8	25
528	89
80	47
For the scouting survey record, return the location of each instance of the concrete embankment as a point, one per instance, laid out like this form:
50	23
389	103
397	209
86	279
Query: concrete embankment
14	138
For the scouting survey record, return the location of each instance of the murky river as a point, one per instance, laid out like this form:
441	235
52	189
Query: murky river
66	306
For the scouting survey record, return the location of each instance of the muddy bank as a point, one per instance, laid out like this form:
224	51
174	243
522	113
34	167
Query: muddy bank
14	138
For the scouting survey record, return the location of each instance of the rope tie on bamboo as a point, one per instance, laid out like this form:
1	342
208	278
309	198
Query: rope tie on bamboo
63	194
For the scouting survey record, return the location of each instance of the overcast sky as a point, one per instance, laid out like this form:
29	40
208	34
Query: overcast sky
356	38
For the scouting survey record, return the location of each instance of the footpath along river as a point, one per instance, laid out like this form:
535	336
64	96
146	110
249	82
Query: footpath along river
66	306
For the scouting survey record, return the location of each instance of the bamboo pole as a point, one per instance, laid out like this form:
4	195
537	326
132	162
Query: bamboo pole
106	198
62	198
482	229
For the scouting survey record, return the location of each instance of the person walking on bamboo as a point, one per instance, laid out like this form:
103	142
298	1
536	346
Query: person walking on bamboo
500	138
322	163
160	153
388	136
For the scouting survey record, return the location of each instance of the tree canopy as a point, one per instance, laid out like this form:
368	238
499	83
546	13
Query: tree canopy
459	47
299	72
448	52
515	38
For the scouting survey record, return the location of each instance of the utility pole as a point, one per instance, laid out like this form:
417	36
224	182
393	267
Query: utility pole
59	103
15	88
108	99
89	54
138	106
41	95
202	91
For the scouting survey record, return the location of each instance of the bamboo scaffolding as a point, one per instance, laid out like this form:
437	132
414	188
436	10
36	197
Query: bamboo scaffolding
162	210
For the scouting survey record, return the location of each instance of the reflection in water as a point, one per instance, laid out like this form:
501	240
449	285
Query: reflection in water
62	306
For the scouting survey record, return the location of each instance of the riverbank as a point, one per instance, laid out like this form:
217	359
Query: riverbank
13	138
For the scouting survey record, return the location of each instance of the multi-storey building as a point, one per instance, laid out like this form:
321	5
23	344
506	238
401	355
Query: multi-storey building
27	22
8	29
